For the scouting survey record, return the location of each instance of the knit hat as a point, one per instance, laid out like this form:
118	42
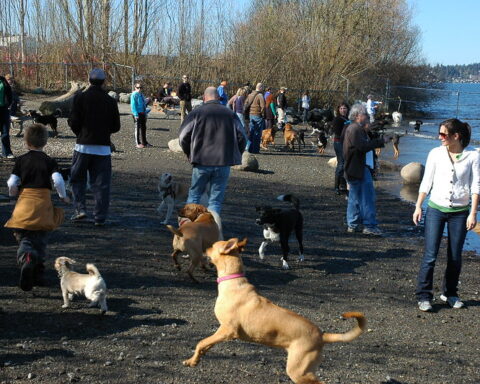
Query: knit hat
96	74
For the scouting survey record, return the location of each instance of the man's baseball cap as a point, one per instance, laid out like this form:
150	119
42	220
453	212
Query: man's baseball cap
96	74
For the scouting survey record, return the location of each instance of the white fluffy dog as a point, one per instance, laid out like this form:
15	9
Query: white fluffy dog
92	286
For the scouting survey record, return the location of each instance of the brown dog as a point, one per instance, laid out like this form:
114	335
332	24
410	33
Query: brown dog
268	137
244	314
193	238
291	136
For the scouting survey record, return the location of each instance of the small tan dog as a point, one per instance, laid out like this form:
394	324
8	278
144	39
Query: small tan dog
268	137
193	238
244	314
72	283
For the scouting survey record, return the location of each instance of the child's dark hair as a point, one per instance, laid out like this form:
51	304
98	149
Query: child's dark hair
456	126
36	135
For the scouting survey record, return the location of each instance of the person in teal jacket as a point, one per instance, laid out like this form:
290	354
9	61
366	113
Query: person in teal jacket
138	103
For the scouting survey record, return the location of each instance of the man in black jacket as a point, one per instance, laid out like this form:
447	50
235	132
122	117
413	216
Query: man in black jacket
93	119
359	164
5	101
185	95
213	138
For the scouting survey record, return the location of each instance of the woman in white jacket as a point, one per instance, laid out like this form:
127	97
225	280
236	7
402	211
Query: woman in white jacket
453	181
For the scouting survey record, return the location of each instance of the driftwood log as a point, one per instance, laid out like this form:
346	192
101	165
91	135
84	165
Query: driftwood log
64	102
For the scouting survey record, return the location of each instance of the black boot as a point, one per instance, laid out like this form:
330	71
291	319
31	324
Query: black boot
337	185
27	271
39	275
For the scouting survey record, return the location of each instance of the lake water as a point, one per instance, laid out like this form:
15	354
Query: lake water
456	100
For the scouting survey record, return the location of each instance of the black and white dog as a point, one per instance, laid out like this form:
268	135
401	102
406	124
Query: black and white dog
278	224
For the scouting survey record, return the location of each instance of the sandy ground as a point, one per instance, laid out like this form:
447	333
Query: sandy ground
157	315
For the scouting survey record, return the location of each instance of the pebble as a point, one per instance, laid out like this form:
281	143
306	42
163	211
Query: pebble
30	376
121	356
108	363
139	357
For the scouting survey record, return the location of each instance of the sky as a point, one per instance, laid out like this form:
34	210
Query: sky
450	30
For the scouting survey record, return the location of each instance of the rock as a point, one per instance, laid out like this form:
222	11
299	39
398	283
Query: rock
332	162
249	163
108	363
124	98
30	376
412	173
113	95
174	146
38	91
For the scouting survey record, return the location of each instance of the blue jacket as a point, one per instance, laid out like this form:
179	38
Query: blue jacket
138	103
222	95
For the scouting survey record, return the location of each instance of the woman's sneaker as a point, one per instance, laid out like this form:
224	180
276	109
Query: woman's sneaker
453	301
425	306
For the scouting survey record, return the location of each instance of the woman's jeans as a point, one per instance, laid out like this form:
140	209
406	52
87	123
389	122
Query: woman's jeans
257	125
338	147
217	177
361	202
435	221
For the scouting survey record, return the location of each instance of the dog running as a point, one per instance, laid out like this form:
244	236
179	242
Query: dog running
170	192
50	120
92	286
244	314
278	224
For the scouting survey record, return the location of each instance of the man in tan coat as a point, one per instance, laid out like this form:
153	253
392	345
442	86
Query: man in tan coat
254	107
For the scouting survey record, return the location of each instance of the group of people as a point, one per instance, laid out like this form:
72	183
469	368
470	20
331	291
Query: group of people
451	178
213	138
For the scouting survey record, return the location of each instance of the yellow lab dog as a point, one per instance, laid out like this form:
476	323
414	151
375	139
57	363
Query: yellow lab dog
244	314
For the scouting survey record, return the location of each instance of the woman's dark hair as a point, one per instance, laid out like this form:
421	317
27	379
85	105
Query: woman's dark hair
456	126
337	110
36	135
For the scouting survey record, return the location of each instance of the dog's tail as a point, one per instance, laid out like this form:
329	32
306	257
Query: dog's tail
290	198
175	231
350	335
92	270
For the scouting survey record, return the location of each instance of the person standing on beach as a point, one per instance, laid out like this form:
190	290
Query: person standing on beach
213	139
93	119
254	107
372	107
281	107
452	178
339	124
6	98
222	92
138	104
359	165
185	95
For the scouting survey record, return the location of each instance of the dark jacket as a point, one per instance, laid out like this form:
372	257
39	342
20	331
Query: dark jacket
7	92
185	92
94	116
338	125
281	101
255	104
355	146
212	135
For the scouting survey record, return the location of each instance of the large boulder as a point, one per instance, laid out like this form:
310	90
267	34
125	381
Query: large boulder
412	173
113	95
124	98
174	146
64	102
249	163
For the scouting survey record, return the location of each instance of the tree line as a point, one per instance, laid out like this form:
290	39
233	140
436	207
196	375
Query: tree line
320	45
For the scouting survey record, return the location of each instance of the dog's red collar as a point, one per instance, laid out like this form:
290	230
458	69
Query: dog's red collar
229	277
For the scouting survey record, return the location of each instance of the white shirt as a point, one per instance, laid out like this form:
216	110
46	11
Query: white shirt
450	185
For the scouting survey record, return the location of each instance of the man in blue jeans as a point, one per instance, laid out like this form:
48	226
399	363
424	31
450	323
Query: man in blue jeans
359	164
93	119
213	138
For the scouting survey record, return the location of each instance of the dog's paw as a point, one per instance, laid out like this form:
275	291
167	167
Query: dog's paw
285	264
65	306
301	258
190	362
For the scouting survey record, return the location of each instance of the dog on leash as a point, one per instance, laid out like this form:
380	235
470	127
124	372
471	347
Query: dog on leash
291	137
92	286
50	120
193	238
278	224
244	314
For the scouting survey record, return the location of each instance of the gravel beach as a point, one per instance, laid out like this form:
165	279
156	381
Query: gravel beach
157	314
